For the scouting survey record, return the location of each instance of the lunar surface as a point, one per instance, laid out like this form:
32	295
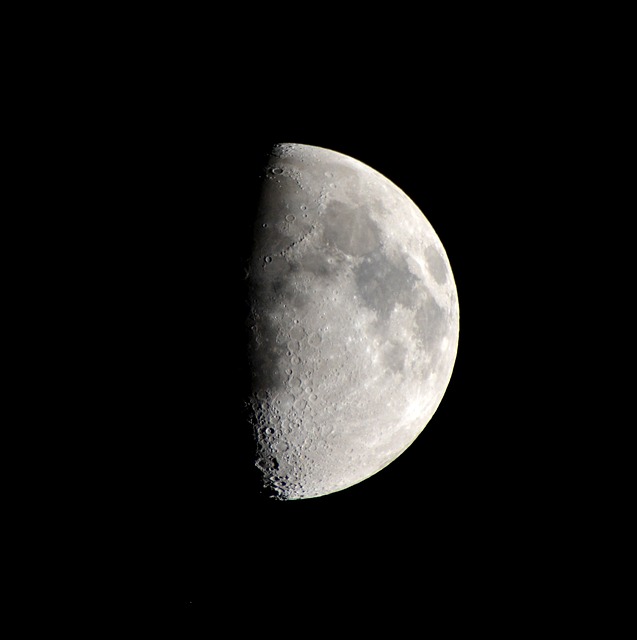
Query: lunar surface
353	322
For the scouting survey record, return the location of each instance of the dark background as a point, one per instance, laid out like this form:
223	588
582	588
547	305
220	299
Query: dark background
469	515
139	142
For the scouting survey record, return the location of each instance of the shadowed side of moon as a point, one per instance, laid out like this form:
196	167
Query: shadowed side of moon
353	322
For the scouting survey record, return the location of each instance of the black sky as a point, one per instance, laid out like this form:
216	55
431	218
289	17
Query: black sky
452	510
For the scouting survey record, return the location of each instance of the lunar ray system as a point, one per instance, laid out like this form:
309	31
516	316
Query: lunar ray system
353	322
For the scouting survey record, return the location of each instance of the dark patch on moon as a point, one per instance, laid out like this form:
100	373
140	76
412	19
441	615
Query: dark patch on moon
436	264
432	323
316	264
350	229
276	281
383	283
270	240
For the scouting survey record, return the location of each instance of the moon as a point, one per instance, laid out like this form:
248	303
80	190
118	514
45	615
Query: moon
353	322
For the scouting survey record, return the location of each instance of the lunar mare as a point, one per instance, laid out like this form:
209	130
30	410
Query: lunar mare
354	322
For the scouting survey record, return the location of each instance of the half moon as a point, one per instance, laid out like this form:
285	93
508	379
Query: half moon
353	321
